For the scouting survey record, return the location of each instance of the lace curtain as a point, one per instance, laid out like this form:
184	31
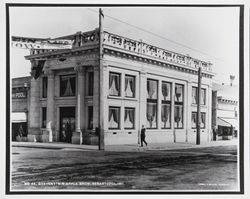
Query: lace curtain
165	89
151	115
178	93
165	116
152	89
114	86
114	118
178	116
129	118
129	86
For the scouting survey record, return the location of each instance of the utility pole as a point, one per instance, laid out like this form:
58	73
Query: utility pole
101	98
198	121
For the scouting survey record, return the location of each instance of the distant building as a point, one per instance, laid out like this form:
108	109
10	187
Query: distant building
142	85
20	108
225	110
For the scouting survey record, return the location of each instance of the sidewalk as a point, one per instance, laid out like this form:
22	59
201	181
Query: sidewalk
126	147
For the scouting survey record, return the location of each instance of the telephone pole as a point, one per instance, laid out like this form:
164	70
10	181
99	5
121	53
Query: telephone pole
198	121
101	98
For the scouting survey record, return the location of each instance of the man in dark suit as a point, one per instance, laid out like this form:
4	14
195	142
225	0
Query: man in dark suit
143	136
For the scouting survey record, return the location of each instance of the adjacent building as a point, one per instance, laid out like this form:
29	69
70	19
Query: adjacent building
225	111
142	85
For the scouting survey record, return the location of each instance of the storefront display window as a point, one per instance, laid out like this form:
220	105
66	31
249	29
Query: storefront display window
114	117
114	84
129	118
129	86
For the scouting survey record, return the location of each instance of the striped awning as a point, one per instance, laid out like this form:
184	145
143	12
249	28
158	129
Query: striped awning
228	122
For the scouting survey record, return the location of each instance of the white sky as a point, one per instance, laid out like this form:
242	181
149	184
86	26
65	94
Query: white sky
214	30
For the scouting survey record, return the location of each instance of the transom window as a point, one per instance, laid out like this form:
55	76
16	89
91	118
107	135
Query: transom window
67	85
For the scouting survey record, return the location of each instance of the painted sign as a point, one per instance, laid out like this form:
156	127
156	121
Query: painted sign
34	43
19	94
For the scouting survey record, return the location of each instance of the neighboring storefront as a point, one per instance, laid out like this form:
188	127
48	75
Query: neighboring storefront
20	108
142	85
225	111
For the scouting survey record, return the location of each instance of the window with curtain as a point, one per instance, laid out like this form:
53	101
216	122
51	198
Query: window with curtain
203	120
114	84
114	117
152	94
67	85
152	89
129	118
165	105
44	117
90	83
195	95
45	85
178	108
90	117
129	86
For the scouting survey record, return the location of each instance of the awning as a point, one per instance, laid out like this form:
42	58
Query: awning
228	122
18	117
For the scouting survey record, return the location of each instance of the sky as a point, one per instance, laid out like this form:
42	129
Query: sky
214	31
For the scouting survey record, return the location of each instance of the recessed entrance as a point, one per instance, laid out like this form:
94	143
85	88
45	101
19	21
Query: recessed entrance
67	123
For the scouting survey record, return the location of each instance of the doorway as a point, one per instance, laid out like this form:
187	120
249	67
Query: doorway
67	123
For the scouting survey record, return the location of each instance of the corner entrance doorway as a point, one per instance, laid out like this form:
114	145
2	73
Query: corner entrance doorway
67	123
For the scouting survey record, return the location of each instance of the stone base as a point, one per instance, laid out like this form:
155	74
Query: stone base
34	135
90	139
21	139
76	137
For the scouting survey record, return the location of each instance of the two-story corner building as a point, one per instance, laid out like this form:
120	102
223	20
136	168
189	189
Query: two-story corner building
142	85
20	108
225	111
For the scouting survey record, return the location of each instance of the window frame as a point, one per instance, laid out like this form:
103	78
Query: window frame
129	108
177	103
134	86
119	117
44	117
119	81
90	84
195	113
196	91
60	84
44	87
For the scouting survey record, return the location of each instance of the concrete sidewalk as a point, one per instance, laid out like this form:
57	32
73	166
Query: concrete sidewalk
126	147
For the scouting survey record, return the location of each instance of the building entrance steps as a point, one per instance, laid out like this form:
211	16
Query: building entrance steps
125	147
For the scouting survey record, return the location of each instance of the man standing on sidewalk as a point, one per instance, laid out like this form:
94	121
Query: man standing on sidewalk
143	136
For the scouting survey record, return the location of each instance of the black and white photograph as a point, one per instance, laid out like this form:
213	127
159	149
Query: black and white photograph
126	98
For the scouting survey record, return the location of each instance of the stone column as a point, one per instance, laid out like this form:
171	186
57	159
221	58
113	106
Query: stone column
77	135
188	104
143	102
159	105
172	111
48	137
34	133
96	98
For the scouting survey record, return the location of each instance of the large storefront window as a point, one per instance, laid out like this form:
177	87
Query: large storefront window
114	117
195	95
129	86
90	83
129	118
45	85
114	84
152	93
44	117
67	85
194	120
178	109
166	105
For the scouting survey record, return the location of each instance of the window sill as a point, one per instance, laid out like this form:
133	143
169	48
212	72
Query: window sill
122	98
66	98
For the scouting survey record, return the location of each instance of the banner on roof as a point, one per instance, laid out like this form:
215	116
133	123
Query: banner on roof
37	43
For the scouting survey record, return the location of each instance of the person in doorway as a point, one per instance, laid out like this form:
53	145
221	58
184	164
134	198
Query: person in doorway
20	131
143	136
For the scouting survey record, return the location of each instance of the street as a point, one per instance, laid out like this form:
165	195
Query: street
209	168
